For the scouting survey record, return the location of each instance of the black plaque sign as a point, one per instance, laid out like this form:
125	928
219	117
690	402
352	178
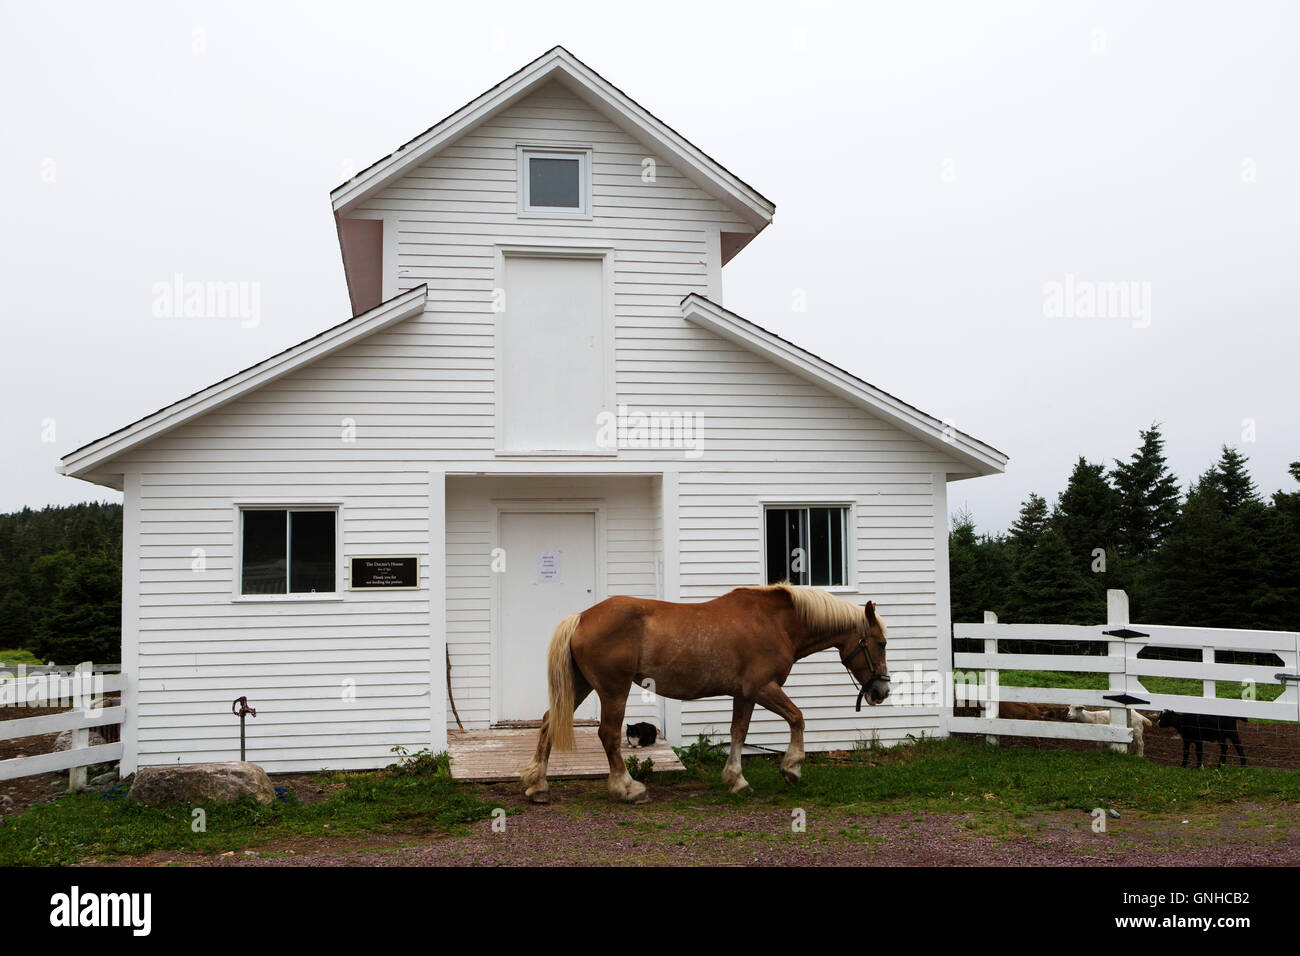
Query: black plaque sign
384	573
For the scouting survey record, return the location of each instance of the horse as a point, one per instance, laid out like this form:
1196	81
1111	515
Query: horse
740	645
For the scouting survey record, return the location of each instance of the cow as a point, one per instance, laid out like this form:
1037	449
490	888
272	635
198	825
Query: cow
1198	728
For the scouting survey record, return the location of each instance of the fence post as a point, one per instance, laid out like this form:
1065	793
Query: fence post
1209	688
991	678
1117	616
81	736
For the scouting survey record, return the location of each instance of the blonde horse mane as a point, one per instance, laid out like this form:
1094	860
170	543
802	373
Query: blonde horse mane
822	612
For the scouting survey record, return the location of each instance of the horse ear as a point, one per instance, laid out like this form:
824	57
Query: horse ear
870	609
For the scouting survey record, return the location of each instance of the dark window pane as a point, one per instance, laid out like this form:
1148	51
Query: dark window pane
797	546
839	571
777	558
311	551
264	557
553	182
787	545
827	546
819	526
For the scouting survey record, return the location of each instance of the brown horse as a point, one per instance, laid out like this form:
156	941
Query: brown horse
741	645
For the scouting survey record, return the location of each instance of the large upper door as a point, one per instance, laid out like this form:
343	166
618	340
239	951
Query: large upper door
552	354
550	574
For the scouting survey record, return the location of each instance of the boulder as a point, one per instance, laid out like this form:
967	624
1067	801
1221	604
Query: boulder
64	740
201	783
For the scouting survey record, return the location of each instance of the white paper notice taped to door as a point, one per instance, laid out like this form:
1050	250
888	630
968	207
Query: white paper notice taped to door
548	567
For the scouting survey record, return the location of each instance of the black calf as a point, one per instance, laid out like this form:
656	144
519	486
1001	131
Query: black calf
1197	728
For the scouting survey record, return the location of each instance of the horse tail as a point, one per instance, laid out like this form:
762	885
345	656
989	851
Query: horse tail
559	681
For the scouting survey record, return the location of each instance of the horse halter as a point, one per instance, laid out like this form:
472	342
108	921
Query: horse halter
865	652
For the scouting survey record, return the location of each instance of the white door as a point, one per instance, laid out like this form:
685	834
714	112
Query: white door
550	573
552	354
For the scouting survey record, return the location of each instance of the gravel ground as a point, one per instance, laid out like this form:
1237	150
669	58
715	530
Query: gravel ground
582	833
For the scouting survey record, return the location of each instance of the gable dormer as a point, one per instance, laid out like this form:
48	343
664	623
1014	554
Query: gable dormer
553	149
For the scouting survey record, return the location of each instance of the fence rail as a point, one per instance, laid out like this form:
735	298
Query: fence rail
1127	673
86	686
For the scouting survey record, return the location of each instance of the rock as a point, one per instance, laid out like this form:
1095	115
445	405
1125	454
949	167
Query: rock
104	780
6	801
64	740
201	783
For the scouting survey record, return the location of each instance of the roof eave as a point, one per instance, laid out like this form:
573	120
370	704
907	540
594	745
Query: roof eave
756	209
981	458
81	462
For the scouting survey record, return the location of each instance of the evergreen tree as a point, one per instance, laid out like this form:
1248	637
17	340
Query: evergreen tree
85	619
1086	514
1029	528
1276	606
1229	483
1147	496
964	584
1049	588
39	550
1189	577
15	622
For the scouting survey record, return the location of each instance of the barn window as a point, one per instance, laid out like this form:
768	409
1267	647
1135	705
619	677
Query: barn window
554	182
807	546
288	551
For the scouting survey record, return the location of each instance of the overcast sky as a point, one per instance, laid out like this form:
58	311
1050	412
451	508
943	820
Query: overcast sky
939	170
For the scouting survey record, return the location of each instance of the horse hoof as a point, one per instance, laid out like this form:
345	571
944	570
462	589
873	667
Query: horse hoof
742	789
541	796
637	793
791	776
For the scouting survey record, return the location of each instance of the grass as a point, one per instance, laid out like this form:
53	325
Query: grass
14	657
1088	680
416	796
947	775
991	787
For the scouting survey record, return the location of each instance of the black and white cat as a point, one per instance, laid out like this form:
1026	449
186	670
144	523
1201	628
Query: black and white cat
641	735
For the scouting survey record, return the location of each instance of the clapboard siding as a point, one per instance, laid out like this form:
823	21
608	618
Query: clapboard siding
819	685
366	424
200	649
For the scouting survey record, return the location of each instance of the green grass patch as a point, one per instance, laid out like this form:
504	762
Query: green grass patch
14	657
1184	686
949	775
414	797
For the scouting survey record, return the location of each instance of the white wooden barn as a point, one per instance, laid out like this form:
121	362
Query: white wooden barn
540	401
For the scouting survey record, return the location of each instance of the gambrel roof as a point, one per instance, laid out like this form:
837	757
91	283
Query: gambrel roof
619	108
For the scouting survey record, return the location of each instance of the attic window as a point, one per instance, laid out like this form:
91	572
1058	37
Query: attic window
554	182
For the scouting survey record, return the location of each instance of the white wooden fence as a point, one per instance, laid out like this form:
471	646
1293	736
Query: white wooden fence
1125	670
90	712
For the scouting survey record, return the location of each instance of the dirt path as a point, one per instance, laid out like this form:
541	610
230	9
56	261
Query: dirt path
583	831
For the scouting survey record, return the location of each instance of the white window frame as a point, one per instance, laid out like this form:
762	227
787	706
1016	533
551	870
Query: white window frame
848	539
237	569
582	154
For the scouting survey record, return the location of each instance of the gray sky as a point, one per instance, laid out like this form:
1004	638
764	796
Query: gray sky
935	168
